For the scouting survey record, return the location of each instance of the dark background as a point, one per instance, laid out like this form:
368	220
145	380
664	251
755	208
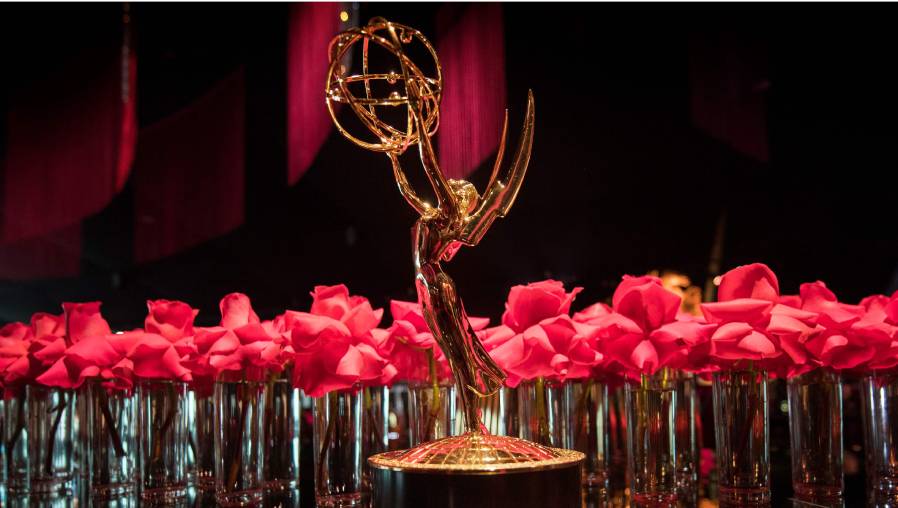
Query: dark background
621	179
624	176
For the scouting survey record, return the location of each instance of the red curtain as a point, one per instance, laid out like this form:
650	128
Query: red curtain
189	173
471	47
71	129
312	26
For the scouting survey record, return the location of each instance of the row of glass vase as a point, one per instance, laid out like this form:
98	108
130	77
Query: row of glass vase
239	438
656	417
236	437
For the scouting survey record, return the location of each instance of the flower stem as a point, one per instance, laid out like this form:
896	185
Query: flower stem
20	426
237	459
110	423
60	409
541	416
430	423
328	436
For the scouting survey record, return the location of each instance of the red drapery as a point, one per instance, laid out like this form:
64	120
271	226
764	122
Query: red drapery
312	26
471	47
71	129
189	173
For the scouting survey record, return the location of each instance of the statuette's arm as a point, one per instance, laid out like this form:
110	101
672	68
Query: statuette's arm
406	189
445	196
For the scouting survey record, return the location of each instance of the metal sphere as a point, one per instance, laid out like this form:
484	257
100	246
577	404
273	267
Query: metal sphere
418	90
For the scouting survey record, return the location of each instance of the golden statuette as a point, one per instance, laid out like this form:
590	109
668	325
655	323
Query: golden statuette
460	216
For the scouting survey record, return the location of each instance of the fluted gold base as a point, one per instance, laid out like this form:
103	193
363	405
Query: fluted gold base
476	470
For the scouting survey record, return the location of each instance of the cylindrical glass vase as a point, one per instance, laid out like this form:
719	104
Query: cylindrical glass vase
686	439
201	436
743	445
586	405
39	441
337	449
162	406
283	418
542	412
109	453
239	446
618	481
881	419
651	440
433	410
815	421
499	413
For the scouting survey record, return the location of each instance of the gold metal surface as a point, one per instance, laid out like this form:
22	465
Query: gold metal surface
461	216
476	453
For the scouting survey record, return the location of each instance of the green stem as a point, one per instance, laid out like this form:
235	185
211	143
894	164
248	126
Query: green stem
434	412
541	417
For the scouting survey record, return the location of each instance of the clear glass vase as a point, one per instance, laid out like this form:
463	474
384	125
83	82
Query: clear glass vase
283	418
881	436
162	436
39	441
815	422
337	437
433	410
618	482
401	421
651	440
201	425
743	445
686	438
375	427
586	406
239	446
109	453
542	412
499	413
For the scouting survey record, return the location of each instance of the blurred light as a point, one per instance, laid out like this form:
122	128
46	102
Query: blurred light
717	280
784	407
344	16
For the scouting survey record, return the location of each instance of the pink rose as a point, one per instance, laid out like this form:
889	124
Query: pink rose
643	333
556	348
84	320
530	304
170	319
241	345
25	355
103	358
878	330
591	314
336	343
755	281
154	357
408	339
746	298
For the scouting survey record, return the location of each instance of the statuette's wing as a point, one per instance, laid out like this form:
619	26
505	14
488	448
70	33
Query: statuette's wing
502	191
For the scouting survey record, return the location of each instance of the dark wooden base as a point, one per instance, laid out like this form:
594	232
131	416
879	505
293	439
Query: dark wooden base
555	488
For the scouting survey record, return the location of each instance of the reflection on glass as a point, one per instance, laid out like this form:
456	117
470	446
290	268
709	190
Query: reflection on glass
815	421
741	428
651	442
